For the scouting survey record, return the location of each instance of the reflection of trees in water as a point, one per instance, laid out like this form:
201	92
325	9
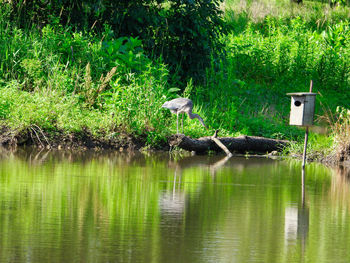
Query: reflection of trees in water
332	203
220	208
340	187
38	156
185	217
172	203
118	195
73	156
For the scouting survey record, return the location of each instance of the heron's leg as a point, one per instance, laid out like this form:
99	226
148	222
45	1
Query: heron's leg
177	122
183	123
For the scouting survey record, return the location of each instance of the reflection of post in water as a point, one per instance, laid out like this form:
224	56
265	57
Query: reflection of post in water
303	185
297	220
303	215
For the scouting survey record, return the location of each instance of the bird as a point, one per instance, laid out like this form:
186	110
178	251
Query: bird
182	105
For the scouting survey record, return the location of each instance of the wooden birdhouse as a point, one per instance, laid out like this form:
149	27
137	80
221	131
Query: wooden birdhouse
302	108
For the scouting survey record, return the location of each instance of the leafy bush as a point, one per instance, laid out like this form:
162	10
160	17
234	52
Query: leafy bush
93	86
184	33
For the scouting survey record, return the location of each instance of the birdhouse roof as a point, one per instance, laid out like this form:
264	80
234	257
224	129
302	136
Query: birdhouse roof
299	94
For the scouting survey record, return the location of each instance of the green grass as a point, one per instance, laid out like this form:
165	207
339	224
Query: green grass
277	47
60	79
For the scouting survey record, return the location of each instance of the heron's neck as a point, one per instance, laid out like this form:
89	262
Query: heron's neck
193	115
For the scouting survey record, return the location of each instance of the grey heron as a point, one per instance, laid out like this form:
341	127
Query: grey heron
182	105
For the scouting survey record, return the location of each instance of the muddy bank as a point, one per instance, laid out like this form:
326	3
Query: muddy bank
34	136
85	140
329	160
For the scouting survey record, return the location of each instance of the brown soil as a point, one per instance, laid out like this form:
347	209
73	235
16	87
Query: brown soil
85	140
34	136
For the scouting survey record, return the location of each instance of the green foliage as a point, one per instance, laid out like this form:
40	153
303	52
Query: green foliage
137	106
184	33
72	81
73	74
319	146
282	51
49	110
273	52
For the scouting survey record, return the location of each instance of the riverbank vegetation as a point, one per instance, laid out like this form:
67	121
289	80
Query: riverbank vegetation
79	68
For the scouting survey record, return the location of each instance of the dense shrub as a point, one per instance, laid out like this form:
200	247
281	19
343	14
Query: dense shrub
184	33
58	79
107	83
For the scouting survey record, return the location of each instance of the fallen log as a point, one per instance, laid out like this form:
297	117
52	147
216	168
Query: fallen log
241	144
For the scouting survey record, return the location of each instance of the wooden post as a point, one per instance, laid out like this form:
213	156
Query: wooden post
306	134
305	145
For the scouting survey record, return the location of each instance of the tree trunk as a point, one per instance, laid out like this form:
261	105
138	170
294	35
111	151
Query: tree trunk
241	144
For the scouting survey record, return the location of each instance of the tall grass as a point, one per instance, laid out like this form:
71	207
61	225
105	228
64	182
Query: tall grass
340	128
292	53
60	79
316	14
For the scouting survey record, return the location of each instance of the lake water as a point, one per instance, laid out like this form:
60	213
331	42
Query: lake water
117	207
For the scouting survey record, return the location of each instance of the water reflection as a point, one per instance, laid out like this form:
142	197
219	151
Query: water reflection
297	220
296	223
172	202
215	163
130	207
303	213
341	180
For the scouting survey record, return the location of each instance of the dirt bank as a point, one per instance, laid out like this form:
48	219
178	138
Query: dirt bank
34	136
84	140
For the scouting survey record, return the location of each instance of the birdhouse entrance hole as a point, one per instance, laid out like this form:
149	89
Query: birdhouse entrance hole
297	103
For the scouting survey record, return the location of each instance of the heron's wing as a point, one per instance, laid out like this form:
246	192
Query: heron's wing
165	105
170	106
178	105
